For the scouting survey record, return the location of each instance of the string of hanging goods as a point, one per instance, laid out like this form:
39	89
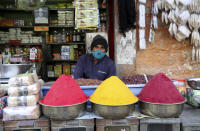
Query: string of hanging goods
184	19
142	41
154	20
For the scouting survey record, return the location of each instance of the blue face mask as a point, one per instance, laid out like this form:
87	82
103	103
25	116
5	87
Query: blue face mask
98	54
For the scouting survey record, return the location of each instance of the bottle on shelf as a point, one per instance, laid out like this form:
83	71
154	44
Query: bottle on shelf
74	36
63	36
33	54
59	38
47	37
82	35
55	37
71	52
51	40
67	37
78	37
70	37
75	52
39	54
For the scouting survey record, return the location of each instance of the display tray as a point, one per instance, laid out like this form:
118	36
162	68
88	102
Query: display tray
88	90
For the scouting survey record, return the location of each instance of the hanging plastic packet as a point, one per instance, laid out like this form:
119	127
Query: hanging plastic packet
142	1
155	22
142	41
151	35
142	16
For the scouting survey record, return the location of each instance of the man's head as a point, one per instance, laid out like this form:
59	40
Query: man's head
99	43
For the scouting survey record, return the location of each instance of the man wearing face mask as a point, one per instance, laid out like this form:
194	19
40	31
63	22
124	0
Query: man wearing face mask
96	65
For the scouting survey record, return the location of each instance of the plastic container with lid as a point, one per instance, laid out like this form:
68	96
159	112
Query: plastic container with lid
178	82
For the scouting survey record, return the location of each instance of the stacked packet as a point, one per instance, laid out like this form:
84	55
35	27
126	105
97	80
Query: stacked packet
23	97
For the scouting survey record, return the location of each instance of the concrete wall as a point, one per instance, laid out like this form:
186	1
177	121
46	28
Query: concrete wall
165	54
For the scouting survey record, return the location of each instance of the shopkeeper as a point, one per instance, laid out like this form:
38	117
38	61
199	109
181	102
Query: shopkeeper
96	65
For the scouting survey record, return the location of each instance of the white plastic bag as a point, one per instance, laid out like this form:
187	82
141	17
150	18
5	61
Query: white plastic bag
183	16
24	90
142	1
21	80
142	41
23	100
142	15
21	113
171	29
184	30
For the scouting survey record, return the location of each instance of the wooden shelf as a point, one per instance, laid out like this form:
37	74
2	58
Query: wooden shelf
15	9
61	9
68	43
21	44
69	61
61	26
16	26
57	26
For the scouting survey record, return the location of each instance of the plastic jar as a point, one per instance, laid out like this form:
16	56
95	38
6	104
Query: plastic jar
178	83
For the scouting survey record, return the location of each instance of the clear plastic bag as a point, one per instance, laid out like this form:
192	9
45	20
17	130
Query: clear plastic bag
24	90
21	113
23	100
21	80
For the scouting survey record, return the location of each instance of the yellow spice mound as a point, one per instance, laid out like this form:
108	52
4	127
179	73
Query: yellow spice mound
113	92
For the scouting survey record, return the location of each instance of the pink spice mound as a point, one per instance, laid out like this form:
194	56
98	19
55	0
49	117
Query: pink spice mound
65	91
161	90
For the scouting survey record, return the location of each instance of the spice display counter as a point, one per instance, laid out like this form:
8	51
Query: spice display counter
73	125
1	125
41	124
127	124
190	118
160	124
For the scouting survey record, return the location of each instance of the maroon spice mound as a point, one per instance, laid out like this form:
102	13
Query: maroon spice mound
160	89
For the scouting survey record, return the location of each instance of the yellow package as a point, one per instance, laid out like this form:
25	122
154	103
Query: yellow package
57	70
66	69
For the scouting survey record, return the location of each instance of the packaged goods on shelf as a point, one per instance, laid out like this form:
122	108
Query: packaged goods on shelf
72	69
65	52
37	39
21	113
6	58
86	5
87	14
24	90
87	22
57	70
84	0
16	59
14	101
71	52
50	71
65	56
66	69
70	23
4	37
69	15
